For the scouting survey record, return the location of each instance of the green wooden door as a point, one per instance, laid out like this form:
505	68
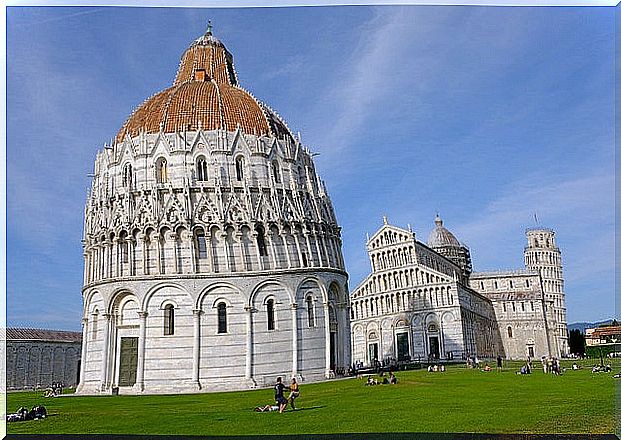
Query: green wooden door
128	362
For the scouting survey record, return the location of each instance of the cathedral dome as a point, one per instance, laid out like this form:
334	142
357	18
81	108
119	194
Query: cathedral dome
440	236
205	95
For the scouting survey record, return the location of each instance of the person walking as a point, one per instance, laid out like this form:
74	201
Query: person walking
295	392
499	363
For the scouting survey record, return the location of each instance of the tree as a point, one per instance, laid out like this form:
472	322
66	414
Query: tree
576	342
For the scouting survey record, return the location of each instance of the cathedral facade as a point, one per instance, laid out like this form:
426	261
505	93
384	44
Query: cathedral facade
212	253
424	302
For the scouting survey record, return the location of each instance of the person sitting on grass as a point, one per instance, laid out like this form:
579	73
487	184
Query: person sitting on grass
267	408
371	381
487	368
393	379
49	393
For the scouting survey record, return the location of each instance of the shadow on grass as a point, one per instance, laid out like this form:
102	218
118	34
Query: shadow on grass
306	408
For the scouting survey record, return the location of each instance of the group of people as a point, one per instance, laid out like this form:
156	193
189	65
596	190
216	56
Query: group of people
601	368
551	365
54	390
436	368
36	413
279	396
390	380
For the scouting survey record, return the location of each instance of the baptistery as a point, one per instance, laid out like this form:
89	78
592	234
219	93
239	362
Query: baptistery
212	252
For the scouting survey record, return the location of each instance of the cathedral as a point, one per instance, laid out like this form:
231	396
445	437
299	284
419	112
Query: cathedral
424	302
212	255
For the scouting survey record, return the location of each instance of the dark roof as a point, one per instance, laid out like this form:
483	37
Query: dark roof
36	334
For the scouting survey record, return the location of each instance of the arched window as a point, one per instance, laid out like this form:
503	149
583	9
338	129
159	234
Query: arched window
94	326
201	169
201	244
221	317
276	171
239	168
310	310
127	176
504	307
124	251
510	331
523	307
161	171
169	320
261	241
527	283
270	314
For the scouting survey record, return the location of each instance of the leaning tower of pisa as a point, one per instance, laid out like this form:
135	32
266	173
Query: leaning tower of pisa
543	255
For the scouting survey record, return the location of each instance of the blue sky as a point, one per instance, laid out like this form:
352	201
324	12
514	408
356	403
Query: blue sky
484	114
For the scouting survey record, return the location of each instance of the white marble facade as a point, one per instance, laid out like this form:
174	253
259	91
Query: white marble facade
212	255
423	302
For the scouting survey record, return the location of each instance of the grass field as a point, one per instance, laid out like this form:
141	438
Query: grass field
458	400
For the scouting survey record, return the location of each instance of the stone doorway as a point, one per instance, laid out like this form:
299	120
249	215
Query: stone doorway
403	347
434	347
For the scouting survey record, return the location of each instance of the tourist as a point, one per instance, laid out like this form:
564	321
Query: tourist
487	368
279	390
499	363
393	379
266	408
476	362
295	392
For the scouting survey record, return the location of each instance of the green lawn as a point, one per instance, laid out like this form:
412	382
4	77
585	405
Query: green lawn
459	400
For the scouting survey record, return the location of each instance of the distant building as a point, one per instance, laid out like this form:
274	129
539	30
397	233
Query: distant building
37	358
610	335
423	301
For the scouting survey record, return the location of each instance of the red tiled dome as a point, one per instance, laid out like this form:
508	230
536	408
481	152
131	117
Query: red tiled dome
205	93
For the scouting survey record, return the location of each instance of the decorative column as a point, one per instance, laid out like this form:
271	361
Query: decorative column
322	239
145	247
191	250
317	246
109	259
210	256
286	248
141	350
248	373
158	241
270	236
326	316
104	358
175	253
84	348
297	247
311	260
227	265
132	255
259	258
86	268
294	339
116	266
196	347
240	245
343	323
